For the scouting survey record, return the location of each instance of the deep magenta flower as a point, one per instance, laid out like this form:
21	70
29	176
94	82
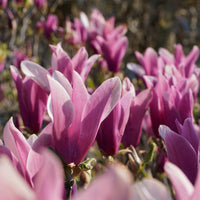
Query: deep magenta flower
32	101
138	108
182	147
112	128
172	100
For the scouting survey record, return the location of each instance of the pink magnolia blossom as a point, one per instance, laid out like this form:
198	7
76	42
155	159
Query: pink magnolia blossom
183	188
76	115
32	100
182	147
138	108
76	32
172	100
50	25
101	36
150	188
24	154
112	128
63	63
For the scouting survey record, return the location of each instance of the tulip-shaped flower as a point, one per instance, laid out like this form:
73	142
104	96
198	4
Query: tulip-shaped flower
32	101
112	128
24	154
80	62
183	188
139	106
76	116
183	148
171	101
76	32
102	37
61	62
50	25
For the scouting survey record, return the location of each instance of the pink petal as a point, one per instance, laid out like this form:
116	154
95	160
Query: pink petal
52	169
37	73
16	142
183	187
95	111
12	185
150	189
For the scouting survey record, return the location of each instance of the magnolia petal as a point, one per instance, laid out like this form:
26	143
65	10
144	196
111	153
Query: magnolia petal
53	189
177	146
150	189
137	69
16	142
95	111
62	107
183	187
138	108
196	192
37	73
58	76
12	185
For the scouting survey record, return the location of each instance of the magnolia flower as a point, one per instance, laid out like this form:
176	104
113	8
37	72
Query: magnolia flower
139	106
76	115
32	101
24	154
112	128
101	36
182	147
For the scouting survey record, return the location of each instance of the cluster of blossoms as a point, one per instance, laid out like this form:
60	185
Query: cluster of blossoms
68	132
